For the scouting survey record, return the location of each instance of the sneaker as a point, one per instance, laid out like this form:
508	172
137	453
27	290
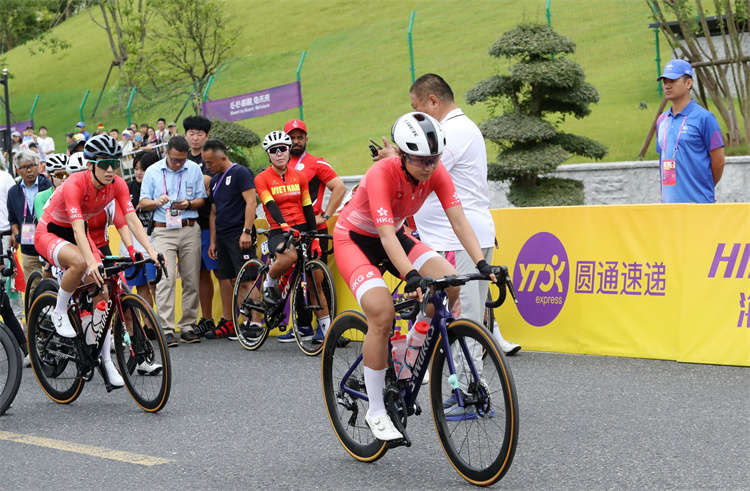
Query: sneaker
451	401
225	329
509	348
270	296
306	333
171	340
382	427
190	337
115	380
343	342
251	330
319	337
458	413
62	325
149	368
204	326
27	361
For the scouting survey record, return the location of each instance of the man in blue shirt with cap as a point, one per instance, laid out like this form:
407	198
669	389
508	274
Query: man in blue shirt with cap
688	141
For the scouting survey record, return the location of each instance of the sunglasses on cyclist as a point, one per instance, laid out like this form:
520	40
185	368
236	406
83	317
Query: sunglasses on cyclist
60	175
104	164
423	162
275	150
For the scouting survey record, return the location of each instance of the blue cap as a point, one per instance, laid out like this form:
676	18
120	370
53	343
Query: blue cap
81	124
676	69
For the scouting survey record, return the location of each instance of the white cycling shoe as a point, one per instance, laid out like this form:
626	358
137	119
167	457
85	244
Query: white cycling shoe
63	326
382	427
146	368
114	376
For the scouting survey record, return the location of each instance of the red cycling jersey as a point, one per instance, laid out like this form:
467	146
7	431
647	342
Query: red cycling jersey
318	173
98	225
385	197
290	192
77	199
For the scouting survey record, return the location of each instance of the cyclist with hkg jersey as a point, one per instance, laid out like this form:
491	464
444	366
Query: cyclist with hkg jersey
62	239
370	230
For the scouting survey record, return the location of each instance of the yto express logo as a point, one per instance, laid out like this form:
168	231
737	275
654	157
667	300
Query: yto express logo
541	278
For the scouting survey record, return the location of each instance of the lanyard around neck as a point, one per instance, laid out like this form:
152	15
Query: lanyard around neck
179	184
677	140
221	179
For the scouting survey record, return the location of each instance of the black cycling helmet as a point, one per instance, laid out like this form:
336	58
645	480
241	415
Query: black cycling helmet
102	146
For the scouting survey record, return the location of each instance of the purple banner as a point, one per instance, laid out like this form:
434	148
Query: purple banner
255	104
19	127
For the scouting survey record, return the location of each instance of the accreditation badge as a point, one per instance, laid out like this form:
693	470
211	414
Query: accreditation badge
668	172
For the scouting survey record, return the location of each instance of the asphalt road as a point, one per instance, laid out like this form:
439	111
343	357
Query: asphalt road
240	420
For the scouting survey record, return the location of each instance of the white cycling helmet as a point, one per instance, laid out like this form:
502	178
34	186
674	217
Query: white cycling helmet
76	162
276	138
102	146
56	162
418	134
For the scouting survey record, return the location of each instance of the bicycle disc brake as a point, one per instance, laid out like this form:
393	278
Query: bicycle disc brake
396	407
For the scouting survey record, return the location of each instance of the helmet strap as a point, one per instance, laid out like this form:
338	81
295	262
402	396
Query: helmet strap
409	177
93	172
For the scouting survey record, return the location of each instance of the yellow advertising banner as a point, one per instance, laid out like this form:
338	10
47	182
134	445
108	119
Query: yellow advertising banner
651	281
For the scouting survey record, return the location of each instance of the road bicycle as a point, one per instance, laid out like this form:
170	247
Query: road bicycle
62	365
472	392
299	297
11	357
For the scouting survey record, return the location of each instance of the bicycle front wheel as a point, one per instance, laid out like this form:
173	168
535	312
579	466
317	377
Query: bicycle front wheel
480	437
31	282
10	368
144	363
346	412
52	357
304	323
249	309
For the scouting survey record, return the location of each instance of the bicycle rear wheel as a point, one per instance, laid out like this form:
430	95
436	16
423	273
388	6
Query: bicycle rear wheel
345	411
247	299
479	438
31	282
144	363
10	368
304	322
52	357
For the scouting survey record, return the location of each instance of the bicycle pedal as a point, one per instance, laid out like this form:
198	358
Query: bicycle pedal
401	442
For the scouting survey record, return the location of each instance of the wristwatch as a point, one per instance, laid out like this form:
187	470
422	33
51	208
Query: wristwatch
189	205
326	216
247	231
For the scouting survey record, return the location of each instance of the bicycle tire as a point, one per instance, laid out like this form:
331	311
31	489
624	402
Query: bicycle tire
246	297
314	269
31	282
149	390
50	355
346	413
11	368
479	440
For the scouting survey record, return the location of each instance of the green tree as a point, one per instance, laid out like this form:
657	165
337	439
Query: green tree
542	88
236	137
714	42
24	20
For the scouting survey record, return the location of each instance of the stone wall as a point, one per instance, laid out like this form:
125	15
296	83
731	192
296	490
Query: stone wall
618	183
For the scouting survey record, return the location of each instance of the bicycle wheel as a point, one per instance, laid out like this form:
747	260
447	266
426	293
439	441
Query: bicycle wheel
480	438
247	299
346	412
10	368
52	357
318	275
31	282
144	363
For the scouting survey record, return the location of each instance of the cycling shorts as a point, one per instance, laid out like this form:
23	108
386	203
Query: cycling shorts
50	238
360	258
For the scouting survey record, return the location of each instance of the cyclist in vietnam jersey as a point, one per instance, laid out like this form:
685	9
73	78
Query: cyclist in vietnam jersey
61	236
370	229
286	201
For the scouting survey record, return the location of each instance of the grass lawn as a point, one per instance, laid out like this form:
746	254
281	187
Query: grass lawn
356	74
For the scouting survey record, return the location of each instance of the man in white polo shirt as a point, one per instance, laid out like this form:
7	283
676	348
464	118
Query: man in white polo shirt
465	158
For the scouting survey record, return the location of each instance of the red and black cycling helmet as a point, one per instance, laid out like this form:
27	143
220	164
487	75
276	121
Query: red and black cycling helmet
102	146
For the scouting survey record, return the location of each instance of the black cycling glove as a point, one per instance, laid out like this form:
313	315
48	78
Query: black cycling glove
413	279
484	268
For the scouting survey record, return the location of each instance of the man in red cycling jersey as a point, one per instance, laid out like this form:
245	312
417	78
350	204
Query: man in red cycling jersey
62	239
286	200
370	229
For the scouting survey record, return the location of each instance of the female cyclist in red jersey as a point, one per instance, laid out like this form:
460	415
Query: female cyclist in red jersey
61	236
285	196
370	229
